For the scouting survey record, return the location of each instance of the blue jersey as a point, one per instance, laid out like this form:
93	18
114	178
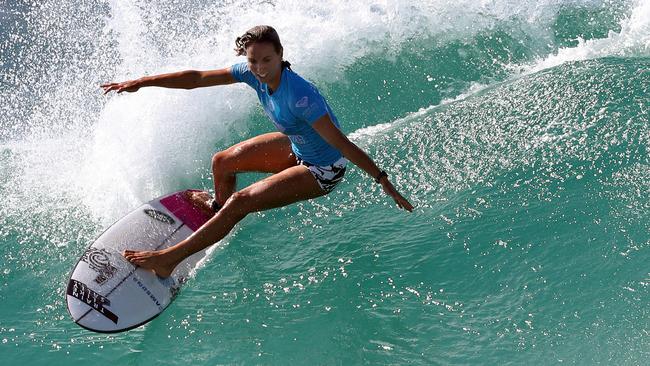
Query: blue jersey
293	108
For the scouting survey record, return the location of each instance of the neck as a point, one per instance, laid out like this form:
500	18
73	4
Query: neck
275	83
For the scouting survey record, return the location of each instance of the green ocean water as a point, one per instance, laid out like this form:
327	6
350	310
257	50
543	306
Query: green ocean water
518	129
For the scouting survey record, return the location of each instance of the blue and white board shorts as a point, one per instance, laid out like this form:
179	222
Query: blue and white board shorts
327	176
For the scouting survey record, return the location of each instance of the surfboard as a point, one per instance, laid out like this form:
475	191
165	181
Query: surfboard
106	293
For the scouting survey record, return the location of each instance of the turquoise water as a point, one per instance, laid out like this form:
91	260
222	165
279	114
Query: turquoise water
519	129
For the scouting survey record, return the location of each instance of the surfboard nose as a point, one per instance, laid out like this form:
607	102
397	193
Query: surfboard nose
90	309
108	294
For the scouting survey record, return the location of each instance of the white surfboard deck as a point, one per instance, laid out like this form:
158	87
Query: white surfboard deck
106	293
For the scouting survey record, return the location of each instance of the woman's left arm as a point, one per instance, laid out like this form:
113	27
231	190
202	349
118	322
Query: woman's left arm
330	133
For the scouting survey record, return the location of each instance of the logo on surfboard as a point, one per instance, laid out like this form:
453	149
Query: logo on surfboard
96	301
160	216
99	261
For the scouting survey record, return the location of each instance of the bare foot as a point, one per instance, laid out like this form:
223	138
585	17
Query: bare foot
161	263
200	200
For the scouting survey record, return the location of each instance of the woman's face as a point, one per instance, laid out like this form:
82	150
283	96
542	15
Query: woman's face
264	62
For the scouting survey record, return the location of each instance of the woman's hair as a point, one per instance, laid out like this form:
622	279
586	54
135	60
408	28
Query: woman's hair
259	34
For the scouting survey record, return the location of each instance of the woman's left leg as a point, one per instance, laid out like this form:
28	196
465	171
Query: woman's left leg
288	186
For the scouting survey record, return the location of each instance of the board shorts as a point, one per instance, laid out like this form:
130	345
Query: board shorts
327	176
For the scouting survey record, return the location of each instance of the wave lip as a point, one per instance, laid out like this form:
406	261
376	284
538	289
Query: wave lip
633	40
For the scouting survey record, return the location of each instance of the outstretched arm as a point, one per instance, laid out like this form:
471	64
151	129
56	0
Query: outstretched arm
352	152
188	79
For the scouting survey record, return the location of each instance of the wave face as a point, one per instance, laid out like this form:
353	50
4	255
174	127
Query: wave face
519	129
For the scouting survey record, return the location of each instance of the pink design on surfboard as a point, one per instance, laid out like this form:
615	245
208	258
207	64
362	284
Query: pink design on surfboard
181	207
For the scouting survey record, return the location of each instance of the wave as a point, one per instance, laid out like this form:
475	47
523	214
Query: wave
519	129
78	149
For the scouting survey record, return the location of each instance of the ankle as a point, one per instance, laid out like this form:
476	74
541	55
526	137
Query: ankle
214	205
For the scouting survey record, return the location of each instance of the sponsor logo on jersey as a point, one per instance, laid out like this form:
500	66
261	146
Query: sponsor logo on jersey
303	102
297	139
311	110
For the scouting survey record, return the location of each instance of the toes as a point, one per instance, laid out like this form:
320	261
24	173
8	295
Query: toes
204	196
131	255
137	260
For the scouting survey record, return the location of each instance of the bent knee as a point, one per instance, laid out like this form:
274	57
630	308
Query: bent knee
220	161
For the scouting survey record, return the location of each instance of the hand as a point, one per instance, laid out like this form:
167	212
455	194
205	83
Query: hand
402	202
130	86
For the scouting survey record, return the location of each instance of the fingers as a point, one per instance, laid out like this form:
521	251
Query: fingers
406	205
109	87
401	202
118	87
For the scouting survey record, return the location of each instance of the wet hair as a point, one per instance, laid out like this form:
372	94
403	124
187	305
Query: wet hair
260	34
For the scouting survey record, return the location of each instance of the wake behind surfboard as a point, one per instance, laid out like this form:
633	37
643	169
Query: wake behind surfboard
106	293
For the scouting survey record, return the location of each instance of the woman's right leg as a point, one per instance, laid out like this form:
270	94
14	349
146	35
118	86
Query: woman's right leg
289	186
267	153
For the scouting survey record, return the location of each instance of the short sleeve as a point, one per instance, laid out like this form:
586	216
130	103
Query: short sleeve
307	104
242	73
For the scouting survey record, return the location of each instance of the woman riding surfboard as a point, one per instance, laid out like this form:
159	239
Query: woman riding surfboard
307	157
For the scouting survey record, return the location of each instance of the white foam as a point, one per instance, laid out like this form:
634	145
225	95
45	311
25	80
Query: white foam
145	144
142	141
370	131
633	40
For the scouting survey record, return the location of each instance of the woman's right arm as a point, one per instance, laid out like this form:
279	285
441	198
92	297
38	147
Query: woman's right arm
188	79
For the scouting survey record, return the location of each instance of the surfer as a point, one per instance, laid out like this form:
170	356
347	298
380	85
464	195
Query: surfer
307	158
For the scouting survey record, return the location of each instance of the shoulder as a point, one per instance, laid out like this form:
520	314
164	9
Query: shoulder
243	74
301	89
298	83
304	99
239	69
